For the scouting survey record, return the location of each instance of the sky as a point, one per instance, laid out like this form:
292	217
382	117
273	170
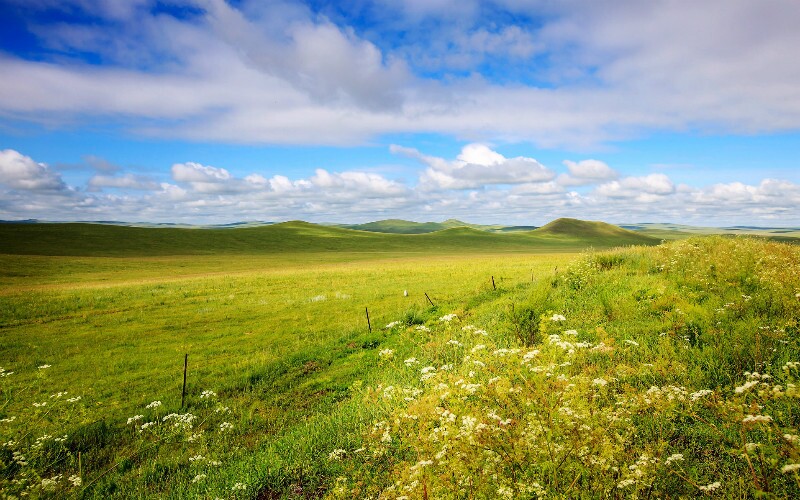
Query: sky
499	111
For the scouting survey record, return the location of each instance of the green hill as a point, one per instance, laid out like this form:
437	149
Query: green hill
399	226
82	239
600	232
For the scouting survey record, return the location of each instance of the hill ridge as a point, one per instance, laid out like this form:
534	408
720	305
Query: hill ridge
81	239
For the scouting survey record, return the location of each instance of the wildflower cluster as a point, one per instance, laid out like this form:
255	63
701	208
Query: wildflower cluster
585	410
35	436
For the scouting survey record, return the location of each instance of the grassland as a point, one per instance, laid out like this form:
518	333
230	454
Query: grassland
76	239
304	395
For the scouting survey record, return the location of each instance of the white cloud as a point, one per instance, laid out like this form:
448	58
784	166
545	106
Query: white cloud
126	181
475	167
206	194
331	64
21	172
647	188
194	172
357	184
285	75
586	172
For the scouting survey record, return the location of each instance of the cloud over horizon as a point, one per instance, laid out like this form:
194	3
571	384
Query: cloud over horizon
480	185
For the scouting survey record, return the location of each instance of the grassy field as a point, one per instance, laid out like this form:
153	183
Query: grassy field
644	371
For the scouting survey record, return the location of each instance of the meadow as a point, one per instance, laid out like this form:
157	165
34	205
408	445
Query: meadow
642	371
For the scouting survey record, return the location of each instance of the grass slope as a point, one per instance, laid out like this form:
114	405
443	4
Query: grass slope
599	232
664	372
78	239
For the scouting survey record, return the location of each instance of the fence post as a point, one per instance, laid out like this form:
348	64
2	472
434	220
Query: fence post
185	366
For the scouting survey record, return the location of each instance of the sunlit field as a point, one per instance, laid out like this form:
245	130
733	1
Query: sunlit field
282	338
641	371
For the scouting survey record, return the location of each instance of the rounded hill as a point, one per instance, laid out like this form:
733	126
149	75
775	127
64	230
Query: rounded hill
591	230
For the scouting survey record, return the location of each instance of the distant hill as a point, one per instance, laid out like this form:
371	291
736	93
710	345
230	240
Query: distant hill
400	226
592	230
669	231
82	239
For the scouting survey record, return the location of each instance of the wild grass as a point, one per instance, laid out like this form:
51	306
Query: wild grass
281	340
663	371
644	372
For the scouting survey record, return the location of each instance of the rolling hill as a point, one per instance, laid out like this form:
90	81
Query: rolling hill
400	226
591	231
82	239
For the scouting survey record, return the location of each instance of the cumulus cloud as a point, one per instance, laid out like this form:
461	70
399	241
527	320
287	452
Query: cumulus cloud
357	184
586	172
199	193
18	171
195	172
647	188
475	167
331	64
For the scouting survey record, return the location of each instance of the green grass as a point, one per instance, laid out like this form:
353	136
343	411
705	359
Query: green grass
282	339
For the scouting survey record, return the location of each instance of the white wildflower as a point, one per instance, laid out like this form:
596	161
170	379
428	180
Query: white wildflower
710	487
631	342
336	454
675	457
746	386
757	418
528	356
386	353
225	426
238	487
208	394
75	480
448	318
393	324
599	381
154	404
790	468
700	394
558	317
199	478
44	367
411	361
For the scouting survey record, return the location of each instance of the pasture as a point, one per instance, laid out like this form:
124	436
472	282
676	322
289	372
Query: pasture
667	370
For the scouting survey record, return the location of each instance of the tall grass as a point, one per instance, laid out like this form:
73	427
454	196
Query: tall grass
666	371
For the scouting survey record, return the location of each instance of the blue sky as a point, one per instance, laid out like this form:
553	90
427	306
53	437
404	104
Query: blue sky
518	112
